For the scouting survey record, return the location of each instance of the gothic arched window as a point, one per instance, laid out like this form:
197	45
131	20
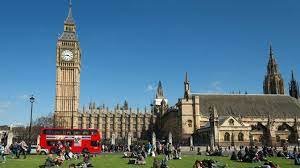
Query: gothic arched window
277	138
241	137
231	122
260	138
190	123
226	136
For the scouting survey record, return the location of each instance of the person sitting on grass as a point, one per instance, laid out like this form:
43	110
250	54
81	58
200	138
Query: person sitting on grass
143	152
198	151
240	155
59	160
140	160
270	165
164	164
234	156
156	163
177	154
198	164
207	153
297	159
49	162
86	160
280	154
127	154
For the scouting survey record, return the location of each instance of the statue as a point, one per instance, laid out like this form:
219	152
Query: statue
191	141
129	141
170	138
154	141
10	136
113	139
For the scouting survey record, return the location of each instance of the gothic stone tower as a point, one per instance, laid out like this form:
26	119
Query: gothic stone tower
294	87
160	102
273	83
187	89
68	59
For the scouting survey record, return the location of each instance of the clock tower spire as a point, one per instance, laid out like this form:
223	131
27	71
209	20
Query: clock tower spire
68	63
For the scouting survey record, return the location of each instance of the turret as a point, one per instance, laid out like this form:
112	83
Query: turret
273	83
294	87
187	90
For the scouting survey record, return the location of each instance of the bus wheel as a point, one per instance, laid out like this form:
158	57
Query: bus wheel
85	150
43	153
52	150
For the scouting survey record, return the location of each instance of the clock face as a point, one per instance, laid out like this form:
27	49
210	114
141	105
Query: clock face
67	55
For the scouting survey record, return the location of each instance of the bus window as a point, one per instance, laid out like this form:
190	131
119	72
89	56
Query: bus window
68	132
48	132
86	132
77	132
93	132
58	132
51	143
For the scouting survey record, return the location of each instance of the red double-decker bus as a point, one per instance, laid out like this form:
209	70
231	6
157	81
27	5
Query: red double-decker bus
80	140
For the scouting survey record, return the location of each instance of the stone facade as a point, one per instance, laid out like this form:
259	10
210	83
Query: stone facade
119	122
238	119
236	116
214	119
68	63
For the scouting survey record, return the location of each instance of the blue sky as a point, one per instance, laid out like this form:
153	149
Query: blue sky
129	45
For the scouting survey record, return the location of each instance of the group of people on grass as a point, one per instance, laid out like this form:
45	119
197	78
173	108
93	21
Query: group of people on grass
254	154
207	163
138	154
18	148
114	148
57	161
250	154
15	150
62	148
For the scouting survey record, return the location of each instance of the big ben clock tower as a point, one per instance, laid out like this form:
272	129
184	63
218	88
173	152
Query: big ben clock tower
68	60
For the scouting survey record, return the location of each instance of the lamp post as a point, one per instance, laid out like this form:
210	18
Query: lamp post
298	144
31	99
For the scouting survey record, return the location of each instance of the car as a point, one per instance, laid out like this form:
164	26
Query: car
35	150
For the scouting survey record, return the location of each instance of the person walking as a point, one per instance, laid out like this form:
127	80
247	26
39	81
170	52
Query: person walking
148	148
2	153
23	148
67	151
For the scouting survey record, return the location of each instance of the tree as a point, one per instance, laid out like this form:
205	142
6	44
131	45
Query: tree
41	122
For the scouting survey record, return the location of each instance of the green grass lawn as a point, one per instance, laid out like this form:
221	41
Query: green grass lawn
116	161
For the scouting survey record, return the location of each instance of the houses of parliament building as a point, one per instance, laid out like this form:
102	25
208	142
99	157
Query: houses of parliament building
120	121
216	119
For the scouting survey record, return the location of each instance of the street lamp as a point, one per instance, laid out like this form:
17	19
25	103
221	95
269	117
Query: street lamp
298	144
31	99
